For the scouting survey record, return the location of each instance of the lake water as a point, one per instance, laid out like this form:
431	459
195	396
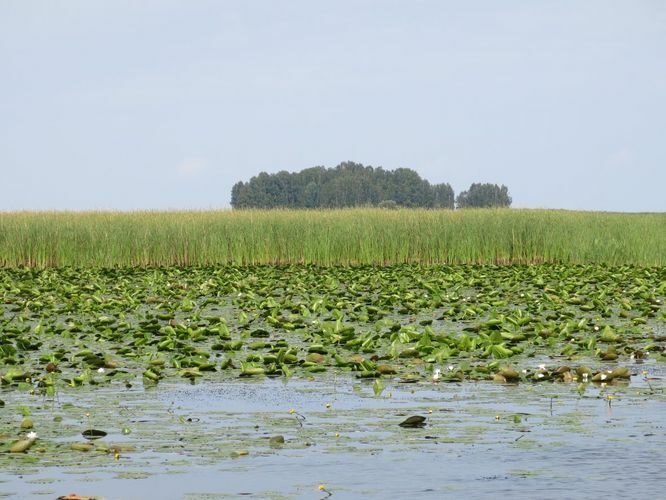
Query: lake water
211	440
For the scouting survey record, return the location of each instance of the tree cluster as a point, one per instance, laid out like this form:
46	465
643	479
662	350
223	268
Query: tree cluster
484	196
348	185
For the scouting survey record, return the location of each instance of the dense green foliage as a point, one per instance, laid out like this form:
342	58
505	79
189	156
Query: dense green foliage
347	185
158	362
95	326
484	196
330	237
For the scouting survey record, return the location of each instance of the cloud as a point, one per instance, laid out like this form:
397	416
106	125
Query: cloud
191	167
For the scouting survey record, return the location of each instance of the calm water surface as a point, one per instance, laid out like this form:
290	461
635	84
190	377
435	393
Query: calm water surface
211	440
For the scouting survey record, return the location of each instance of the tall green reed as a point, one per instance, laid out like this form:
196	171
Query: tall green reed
330	237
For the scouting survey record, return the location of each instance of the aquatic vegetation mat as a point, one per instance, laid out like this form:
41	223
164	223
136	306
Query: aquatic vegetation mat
75	327
115	375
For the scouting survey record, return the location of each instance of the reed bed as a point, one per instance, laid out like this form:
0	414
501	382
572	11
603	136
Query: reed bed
330	237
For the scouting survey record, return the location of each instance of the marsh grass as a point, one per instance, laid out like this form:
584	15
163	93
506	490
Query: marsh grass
330	237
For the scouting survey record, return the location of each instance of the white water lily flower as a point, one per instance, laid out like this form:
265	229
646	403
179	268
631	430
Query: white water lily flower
525	370
100	370
540	375
596	328
542	366
31	435
585	377
451	368
603	376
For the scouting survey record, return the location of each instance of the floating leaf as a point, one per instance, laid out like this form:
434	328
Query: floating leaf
413	421
377	387
21	445
509	374
621	372
276	441
82	446
93	434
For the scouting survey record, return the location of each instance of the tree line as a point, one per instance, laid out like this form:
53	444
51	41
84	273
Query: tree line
353	184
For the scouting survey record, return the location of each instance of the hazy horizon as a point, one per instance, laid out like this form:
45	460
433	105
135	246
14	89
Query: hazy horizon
164	105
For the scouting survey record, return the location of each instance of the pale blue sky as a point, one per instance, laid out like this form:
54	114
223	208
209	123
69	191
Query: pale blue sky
166	104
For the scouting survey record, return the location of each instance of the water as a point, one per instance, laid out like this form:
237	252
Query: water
482	440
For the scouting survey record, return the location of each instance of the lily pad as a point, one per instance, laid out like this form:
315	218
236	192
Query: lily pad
21	445
276	441
413	422
93	434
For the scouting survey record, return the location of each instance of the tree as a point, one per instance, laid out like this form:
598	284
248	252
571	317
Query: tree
238	195
311	195
388	204
409	190
484	196
443	196
347	185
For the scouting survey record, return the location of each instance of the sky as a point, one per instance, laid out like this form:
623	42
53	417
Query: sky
133	105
